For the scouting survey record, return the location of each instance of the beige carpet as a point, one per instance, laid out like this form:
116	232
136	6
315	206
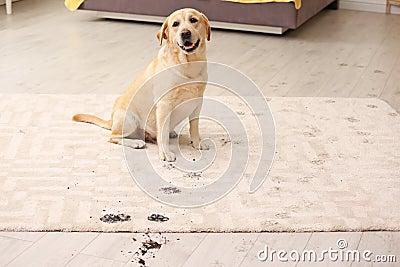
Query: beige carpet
337	167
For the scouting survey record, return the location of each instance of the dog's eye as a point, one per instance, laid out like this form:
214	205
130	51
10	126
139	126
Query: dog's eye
175	24
193	20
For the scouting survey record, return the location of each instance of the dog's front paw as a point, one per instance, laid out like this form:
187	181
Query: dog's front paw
200	145
167	156
204	146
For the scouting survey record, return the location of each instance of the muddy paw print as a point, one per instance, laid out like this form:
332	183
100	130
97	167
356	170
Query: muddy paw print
157	218
308	134
352	119
305	179
170	190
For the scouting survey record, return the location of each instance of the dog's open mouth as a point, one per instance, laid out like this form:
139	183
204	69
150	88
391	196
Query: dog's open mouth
189	46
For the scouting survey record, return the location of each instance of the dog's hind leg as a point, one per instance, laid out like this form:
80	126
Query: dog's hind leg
126	130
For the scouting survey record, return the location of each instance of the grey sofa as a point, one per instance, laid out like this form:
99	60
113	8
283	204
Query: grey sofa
273	17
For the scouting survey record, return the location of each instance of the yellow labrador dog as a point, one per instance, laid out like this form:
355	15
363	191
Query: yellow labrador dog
186	32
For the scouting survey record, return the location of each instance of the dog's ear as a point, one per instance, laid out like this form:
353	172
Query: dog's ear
162	33
208	26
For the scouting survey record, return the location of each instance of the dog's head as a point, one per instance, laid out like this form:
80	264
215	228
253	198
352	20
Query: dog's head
186	28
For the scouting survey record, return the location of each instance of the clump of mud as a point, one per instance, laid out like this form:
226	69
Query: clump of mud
149	248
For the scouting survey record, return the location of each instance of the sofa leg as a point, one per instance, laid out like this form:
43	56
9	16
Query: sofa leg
334	5
388	6
8	7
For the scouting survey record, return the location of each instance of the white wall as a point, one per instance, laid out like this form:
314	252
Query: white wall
368	5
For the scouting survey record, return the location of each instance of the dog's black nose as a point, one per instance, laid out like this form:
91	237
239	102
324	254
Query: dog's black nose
185	34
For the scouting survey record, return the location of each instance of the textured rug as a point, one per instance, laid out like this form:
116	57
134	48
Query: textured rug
337	168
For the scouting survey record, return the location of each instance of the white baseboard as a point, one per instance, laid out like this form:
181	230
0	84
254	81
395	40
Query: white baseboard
3	2
368	5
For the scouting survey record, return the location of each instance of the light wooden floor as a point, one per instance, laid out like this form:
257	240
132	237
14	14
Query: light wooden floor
46	49
204	249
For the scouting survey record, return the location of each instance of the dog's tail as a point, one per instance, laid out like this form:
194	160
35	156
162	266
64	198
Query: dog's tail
93	120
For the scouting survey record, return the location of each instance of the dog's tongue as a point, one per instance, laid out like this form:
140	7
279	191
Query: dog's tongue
188	45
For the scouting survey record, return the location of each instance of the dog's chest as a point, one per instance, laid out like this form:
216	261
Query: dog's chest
182	89
184	109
